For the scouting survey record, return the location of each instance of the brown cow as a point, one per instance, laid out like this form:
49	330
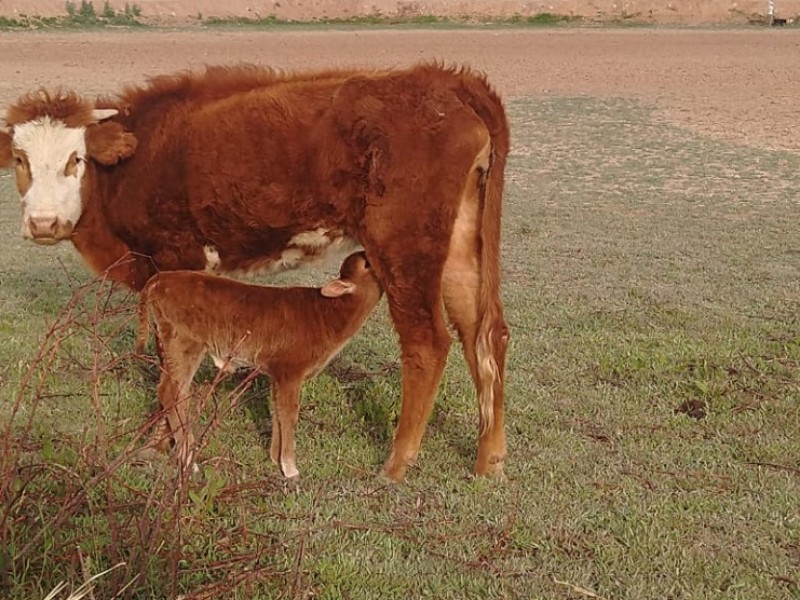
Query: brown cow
237	169
287	333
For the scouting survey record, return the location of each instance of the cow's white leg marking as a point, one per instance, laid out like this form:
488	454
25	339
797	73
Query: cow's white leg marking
289	469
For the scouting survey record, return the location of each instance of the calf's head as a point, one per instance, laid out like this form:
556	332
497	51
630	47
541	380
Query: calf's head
355	277
50	140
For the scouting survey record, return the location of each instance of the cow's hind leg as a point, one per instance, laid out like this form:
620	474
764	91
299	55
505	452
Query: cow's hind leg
406	237
459	291
481	329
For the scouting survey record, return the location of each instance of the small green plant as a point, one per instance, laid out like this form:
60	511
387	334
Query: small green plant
242	21
203	499
6	23
544	19
85	15
132	10
108	11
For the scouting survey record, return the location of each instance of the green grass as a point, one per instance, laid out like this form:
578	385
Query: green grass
366	20
545	19
399	21
30	22
651	284
81	15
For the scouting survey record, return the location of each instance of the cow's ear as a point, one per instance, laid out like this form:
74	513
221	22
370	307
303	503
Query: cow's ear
6	159
337	287
108	143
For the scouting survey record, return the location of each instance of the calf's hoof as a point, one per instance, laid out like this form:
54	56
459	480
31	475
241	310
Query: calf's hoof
394	471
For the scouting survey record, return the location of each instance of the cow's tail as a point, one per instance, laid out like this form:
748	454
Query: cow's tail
144	316
492	335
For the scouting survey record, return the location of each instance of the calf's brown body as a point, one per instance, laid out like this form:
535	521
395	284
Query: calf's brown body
289	334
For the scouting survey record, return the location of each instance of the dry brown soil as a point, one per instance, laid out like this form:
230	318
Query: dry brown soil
741	85
654	11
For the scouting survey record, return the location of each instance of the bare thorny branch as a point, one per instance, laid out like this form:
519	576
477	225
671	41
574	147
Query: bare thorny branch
93	311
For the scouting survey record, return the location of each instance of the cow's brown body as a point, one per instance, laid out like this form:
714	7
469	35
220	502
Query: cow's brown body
242	169
289	334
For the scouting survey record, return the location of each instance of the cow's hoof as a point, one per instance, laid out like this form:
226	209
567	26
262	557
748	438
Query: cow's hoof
291	485
491	468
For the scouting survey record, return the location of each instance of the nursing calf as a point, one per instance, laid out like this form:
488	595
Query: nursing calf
289	334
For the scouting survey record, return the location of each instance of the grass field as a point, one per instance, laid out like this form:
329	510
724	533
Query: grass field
651	284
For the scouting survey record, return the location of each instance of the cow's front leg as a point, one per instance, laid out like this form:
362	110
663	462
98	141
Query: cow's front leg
424	343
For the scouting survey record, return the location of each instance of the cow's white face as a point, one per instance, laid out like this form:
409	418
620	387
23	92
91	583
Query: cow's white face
50	161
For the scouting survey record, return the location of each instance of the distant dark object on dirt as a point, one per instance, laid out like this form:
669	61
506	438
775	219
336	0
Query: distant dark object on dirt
778	22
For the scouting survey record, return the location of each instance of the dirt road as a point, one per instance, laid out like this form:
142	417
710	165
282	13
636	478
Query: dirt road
739	84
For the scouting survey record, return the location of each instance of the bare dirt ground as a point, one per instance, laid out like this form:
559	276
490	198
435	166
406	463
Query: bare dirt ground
741	85
652	11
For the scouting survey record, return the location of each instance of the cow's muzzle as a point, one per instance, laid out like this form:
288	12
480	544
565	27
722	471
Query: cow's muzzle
46	230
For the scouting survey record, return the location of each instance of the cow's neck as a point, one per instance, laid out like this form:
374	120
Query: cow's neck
104	252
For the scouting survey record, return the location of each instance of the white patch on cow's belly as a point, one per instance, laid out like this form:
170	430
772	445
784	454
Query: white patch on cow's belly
320	247
311	239
290	259
212	258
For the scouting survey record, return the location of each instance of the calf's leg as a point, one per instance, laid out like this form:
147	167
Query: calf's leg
275	442
181	359
285	397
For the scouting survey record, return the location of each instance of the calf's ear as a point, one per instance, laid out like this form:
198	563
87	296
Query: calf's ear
108	143
6	159
337	287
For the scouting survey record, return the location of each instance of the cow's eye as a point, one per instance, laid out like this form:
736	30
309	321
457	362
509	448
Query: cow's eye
19	161
72	164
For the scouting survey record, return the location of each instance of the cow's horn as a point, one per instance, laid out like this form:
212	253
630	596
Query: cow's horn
99	114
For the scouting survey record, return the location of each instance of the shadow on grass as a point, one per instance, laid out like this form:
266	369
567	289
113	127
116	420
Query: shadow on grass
370	395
